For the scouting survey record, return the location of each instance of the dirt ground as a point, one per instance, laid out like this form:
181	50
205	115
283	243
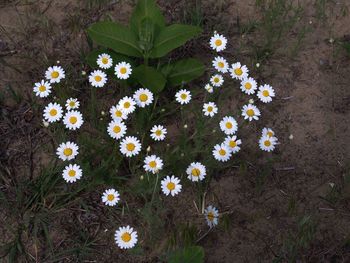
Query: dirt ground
264	203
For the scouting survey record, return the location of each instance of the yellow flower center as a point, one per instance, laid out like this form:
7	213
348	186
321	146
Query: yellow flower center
229	125
54	74
269	133
210	108
218	42
130	147
127	105
98	78
105	60
118	113
71	173
110	197
210	216
265	93
250	112
221	64
170	186
143	97
122	70
126	237
183	96
195	172
68	152
232	144
158	132
72	104
53	112
73	120
42	88
267	143
116	129
152	164
222	152
238	71
216	80
248	86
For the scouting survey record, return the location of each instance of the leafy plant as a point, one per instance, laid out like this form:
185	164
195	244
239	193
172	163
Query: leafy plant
194	254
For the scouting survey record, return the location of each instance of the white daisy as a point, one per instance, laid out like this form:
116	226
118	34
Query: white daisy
233	143
267	143
229	125
117	113
42	89
98	78
171	185
123	70
218	42
153	164
53	112
158	132
104	61
110	197
72	104
67	151
72	173
209	88
217	80
55	74
116	129
266	93
183	96
267	132
210	109
211	215
130	146
127	104
250	112
239	71
73	120
221	152
248	86
196	172
125	237
220	64
143	97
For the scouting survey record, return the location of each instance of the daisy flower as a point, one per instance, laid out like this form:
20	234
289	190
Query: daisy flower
220	64
267	132
158	132
217	80
110	197
183	96
218	42
171	185
130	146
250	112
125	237
73	120
104	61
248	86
72	104
233	144
143	97
211	215
127	105
196	172
55	74
266	93
222	152
42	89
239	71
123	70
209	88
53	112
228	125
116	129
98	78
267	143
210	109
67	151
117	113
153	164
72	173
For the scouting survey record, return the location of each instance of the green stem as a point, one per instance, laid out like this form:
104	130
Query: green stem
154	189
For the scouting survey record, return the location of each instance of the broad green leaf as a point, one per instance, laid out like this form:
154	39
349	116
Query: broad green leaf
194	254
183	71
172	37
146	34
149	78
116	37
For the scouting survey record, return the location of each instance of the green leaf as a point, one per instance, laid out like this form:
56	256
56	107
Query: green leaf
149	78
194	254
116	37
172	37
183	71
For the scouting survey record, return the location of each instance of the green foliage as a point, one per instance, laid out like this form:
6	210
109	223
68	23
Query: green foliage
150	78
193	254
